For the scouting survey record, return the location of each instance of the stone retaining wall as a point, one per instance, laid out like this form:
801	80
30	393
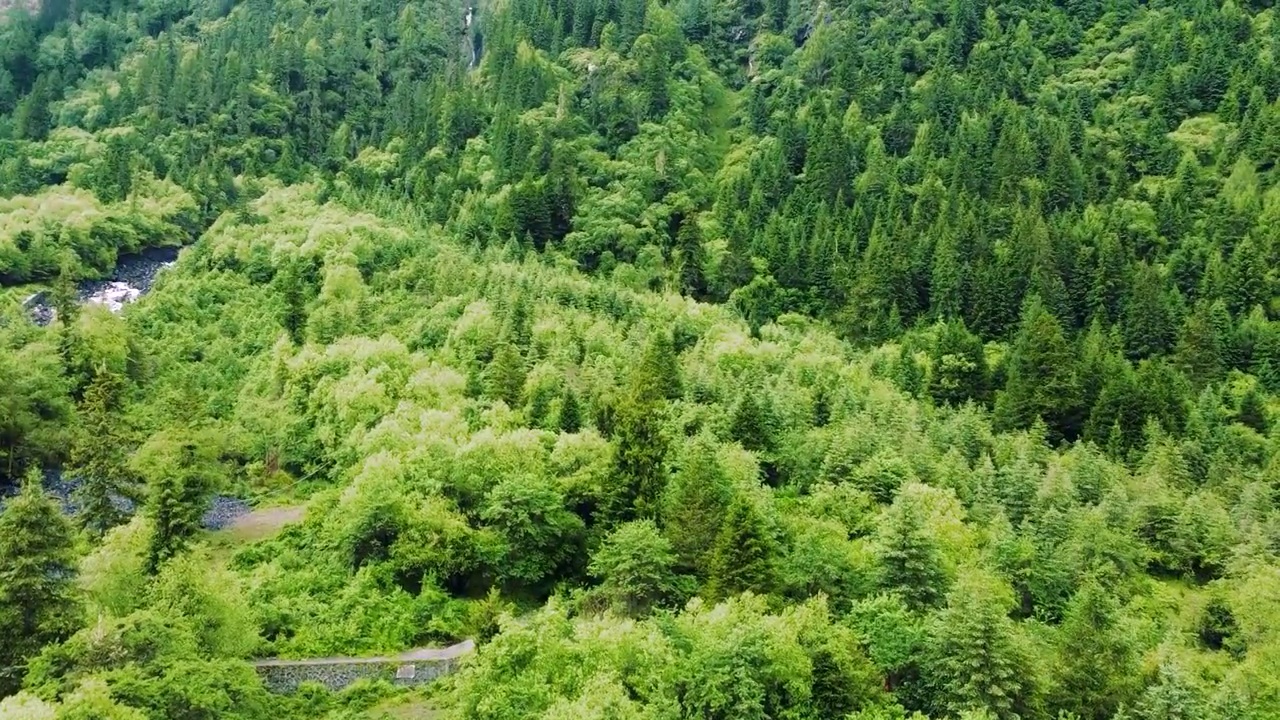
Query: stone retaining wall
415	667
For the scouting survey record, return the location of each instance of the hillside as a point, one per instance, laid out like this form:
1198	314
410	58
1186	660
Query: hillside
872	360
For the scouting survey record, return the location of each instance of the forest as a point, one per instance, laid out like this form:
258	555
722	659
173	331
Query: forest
699	359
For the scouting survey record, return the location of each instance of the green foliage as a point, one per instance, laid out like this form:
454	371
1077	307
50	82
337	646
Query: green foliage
910	560
634	564
976	659
1043	384
37	576
449	288
743	556
695	504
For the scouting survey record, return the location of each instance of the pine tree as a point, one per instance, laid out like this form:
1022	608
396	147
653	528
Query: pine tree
1147	322
975	658
1119	411
910	561
1042	378
695	503
98	456
570	411
37	578
181	478
752	422
946	283
743	556
907	373
63	296
691	257
1097	659
173	520
958	365
658	374
1253	411
505	376
639	457
1200	348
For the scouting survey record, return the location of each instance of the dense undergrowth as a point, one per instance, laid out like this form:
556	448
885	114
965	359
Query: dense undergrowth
702	360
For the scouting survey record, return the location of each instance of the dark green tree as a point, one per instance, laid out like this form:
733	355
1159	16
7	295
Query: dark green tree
752	423
695	503
1147	318
958	365
691	257
639	457
99	458
975	657
505	375
38	602
1042	378
570	411
1097	657
910	560
658	376
743	556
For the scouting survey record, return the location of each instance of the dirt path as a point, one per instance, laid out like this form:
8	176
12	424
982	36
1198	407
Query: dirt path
263	523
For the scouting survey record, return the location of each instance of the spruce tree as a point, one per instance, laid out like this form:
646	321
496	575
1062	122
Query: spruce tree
1097	658
37	578
1042	378
570	411
639	457
1147	322
505	376
695	503
910	561
752	422
658	375
691	257
743	556
958	363
975	657
98	456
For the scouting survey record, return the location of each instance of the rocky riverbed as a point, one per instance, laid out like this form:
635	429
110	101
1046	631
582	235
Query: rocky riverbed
133	277
223	509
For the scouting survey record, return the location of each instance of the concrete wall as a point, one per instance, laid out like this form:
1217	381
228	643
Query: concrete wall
416	667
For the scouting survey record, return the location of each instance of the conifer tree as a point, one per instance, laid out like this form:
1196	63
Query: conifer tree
570	411
639	457
946	282
694	504
958	365
1042	378
182	473
743	556
658	375
752	422
1097	658
37	578
910	561
505	376
975	657
98	457
1147	323
691	257
1200	348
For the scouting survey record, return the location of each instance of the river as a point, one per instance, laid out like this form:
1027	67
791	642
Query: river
134	275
